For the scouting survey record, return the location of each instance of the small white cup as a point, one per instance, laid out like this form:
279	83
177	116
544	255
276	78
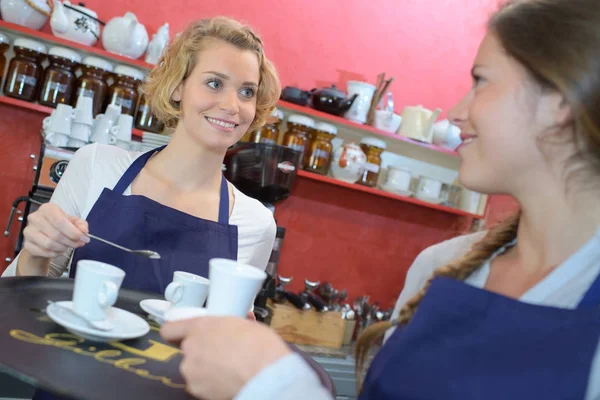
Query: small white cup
96	288
187	290
81	132
429	188
75	143
56	139
102	132
233	287
387	121
122	130
398	179
59	120
83	113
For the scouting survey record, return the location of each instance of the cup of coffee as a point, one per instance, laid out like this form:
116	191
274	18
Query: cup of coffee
187	290
233	287
96	288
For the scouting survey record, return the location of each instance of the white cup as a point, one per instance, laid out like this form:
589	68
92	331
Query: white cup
75	143
56	139
398	179
122	130
429	188
233	287
102	132
96	288
59	120
187	290
83	113
81	131
387	121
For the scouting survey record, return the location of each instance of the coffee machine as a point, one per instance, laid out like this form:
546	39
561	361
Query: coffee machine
265	172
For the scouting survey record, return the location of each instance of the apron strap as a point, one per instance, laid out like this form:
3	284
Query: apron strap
591	299
224	203
139	163
133	171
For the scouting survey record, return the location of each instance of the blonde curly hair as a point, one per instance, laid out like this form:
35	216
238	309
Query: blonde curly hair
179	60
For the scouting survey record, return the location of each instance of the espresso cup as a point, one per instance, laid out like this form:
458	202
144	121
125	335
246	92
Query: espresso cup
187	290
96	288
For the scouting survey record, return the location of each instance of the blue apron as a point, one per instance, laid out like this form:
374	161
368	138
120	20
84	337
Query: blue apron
184	242
468	343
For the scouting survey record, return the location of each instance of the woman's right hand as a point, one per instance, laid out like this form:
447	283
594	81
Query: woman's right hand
50	232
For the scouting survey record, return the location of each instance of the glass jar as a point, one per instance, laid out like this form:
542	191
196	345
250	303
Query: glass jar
372	148
296	136
92	82
124	91
4	46
25	70
145	120
59	78
268	133
319	148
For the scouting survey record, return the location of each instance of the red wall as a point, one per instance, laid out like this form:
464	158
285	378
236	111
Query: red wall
354	240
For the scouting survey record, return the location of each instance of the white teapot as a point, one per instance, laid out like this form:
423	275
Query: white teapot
125	36
348	163
158	44
75	23
30	13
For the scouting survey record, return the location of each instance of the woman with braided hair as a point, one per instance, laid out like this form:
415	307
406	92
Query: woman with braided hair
512	313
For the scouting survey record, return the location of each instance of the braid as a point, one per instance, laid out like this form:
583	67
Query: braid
497	237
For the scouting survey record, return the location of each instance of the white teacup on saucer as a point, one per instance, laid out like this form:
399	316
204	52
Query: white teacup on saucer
126	325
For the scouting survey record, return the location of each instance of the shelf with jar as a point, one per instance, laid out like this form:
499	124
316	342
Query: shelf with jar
367	165
39	78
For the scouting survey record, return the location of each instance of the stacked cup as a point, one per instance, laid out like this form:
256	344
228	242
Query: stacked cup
57	127
102	126
122	131
83	121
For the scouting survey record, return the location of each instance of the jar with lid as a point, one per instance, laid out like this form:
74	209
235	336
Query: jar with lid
25	70
4	45
296	136
92	83
124	90
145	120
268	133
59	79
372	148
319	148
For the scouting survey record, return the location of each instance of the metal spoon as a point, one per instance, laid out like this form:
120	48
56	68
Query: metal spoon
145	253
104	325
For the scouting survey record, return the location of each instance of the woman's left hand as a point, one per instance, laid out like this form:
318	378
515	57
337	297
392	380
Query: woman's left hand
221	354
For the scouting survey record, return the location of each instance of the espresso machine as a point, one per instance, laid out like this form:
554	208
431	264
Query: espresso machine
265	172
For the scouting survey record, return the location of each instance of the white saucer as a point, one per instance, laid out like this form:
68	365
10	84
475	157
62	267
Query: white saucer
156	309
180	313
126	325
389	189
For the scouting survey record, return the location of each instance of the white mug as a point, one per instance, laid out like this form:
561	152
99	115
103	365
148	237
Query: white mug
102	133
233	287
187	290
76	143
81	131
59	120
56	139
398	179
96	288
387	121
122	130
429	188
83	113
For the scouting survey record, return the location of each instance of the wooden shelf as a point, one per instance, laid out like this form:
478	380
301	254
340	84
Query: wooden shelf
381	193
366	128
135	133
49	38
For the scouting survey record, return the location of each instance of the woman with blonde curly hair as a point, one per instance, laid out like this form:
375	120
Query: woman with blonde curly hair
512	313
213	84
